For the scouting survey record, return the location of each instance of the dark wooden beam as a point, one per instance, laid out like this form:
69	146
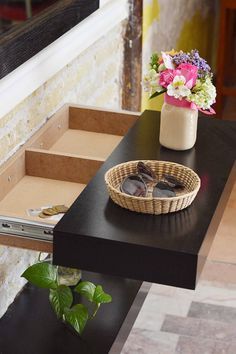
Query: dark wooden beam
132	71
27	39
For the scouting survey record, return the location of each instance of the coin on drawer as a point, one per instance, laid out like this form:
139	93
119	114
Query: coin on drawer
60	208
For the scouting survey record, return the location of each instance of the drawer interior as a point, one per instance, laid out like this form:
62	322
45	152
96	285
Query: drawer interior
57	163
34	192
86	143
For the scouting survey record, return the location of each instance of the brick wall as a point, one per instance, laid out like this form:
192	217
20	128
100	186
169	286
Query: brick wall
94	78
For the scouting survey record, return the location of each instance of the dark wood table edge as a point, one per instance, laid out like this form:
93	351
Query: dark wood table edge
199	259
130	318
121	335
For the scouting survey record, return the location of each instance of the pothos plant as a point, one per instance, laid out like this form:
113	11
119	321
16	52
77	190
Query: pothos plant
45	275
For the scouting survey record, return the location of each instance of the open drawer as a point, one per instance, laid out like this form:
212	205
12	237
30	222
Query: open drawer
53	168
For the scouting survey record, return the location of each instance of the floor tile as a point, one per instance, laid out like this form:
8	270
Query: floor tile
219	274
224	245
200	328
213	312
190	345
181	325
149	342
203	321
231	349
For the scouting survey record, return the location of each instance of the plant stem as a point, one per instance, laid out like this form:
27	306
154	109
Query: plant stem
39	256
95	311
57	275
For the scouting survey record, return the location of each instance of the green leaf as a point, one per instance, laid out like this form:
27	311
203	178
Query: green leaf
77	317
154	59
100	297
93	293
43	275
155	94
87	289
60	298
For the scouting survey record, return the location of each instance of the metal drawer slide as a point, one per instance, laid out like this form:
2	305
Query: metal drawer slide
30	229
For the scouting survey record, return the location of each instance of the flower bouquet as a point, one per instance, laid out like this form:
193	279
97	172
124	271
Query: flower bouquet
186	78
186	81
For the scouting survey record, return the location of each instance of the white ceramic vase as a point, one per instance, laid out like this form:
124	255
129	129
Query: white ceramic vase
178	130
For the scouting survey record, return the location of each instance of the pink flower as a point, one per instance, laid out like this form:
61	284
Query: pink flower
166	77
189	71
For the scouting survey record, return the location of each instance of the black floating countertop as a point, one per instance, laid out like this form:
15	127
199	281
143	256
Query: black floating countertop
30	326
97	235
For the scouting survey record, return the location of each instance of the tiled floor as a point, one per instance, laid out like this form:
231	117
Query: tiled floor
203	321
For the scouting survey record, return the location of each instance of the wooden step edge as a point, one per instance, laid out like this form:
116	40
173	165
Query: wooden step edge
13	170
26	242
51	131
106	110
101	121
60	166
11	174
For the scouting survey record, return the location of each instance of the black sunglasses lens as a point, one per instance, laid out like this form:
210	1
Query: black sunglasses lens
146	172
146	177
134	185
163	190
173	181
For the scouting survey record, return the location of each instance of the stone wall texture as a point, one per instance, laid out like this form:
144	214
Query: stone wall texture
94	78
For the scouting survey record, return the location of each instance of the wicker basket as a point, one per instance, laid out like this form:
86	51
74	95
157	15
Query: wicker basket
149	204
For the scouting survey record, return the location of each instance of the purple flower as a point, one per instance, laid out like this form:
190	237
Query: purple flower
193	58
181	58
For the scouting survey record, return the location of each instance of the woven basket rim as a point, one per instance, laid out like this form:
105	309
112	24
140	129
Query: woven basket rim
115	190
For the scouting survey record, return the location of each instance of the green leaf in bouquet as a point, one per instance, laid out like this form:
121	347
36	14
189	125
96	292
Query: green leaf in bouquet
43	275
155	94
154	61
77	317
60	298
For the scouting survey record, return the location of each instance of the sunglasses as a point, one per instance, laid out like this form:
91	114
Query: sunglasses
134	185
137	184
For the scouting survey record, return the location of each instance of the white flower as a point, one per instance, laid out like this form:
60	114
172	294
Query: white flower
168	61
151	82
177	88
204	94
